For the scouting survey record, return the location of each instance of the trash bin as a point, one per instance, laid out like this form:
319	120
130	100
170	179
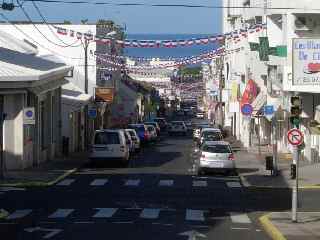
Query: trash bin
269	163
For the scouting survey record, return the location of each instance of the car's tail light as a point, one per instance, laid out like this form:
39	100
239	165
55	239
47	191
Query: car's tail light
231	157
146	135
122	148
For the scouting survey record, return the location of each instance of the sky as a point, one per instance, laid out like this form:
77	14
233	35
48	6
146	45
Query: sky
136	19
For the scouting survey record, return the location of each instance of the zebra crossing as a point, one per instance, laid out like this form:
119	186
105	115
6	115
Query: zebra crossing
188	215
196	183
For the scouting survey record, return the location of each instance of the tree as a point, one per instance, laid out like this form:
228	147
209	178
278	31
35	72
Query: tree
84	21
67	22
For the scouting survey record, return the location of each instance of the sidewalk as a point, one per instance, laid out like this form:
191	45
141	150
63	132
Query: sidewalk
251	169
45	174
279	226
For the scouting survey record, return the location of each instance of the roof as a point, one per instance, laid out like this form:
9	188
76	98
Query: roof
217	143
211	130
20	67
74	96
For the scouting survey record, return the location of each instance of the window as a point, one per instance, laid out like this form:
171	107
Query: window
212	136
105	138
216	149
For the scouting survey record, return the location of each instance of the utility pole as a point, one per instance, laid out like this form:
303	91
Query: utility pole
274	146
86	110
220	92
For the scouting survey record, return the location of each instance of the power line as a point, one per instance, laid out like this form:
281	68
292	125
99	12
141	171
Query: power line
54	34
171	5
35	26
39	44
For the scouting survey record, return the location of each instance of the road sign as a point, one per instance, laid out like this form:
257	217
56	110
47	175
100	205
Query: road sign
29	116
268	111
92	113
246	109
295	137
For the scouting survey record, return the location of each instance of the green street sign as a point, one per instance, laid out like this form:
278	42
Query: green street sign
265	50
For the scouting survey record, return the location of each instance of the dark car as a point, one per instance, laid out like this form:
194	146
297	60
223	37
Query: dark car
156	125
162	123
142	132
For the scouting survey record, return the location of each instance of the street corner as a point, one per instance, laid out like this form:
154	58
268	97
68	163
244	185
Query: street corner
270	229
38	183
3	213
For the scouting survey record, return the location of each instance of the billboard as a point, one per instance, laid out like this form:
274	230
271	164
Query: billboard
104	94
306	61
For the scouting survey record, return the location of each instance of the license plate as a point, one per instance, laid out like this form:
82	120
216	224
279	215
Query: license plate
215	164
102	149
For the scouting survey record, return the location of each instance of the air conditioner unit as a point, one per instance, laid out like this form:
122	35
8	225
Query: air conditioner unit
306	23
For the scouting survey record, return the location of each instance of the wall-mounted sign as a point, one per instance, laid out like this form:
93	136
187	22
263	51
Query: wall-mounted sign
29	116
104	94
105	76
306	61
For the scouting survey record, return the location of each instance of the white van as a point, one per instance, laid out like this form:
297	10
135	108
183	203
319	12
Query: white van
109	144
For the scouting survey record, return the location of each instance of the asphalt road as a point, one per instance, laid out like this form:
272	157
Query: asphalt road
156	197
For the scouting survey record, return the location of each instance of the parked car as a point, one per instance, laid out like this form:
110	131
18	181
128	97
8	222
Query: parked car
162	123
142	132
109	144
216	156
135	138
153	133
129	142
197	131
156	125
200	115
177	127
210	134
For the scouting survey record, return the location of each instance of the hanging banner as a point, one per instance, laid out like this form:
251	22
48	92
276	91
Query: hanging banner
249	93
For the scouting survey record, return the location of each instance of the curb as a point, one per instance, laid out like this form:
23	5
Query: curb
248	185
270	229
40	183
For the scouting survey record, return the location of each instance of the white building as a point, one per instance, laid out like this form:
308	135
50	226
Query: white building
273	77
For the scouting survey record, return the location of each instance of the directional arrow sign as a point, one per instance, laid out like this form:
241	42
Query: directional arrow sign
51	232
295	137
192	235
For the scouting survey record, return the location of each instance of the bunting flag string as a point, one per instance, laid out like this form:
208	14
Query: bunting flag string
134	43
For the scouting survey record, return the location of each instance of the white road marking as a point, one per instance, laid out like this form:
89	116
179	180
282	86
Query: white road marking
150	213
167	183
19	214
237	217
105	212
61	213
99	182
199	184
233	184
65	182
194	215
132	182
239	228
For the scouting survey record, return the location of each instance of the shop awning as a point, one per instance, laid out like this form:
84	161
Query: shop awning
74	97
259	102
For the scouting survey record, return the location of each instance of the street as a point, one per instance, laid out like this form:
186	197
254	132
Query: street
157	197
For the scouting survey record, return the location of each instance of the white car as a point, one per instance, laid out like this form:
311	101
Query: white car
109	145
177	127
216	155
153	133
135	138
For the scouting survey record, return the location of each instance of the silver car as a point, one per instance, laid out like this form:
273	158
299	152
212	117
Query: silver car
216	155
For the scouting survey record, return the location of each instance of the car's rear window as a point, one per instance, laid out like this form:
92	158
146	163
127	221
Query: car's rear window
107	138
216	148
150	128
212	136
131	133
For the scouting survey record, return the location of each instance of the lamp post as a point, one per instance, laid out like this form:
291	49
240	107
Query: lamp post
86	83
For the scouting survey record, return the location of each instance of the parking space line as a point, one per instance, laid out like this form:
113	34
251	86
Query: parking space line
237	217
65	182
99	182
233	184
19	214
61	213
150	213
132	182
166	183
199	184
105	212
194	215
